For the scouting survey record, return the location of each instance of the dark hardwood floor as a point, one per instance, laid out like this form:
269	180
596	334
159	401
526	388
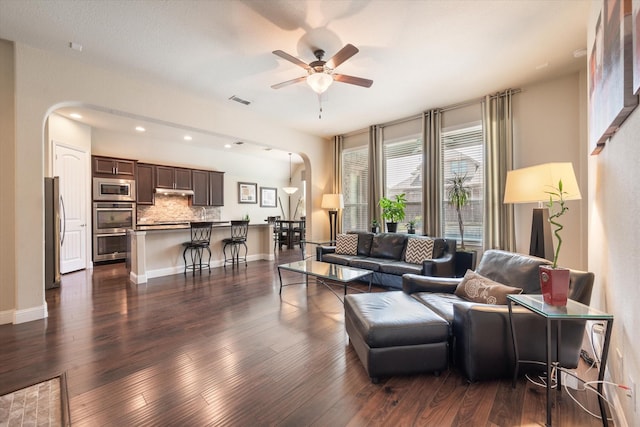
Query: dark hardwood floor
225	349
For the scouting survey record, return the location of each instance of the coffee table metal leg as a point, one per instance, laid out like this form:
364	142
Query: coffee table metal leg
280	275
515	346
603	364
548	331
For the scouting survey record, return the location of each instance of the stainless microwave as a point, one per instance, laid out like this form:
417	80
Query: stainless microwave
111	189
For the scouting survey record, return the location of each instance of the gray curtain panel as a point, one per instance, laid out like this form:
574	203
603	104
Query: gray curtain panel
431	193
497	115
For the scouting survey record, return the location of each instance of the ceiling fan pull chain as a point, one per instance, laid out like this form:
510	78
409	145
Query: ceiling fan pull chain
320	106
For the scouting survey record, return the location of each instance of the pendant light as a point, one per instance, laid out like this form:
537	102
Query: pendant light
290	189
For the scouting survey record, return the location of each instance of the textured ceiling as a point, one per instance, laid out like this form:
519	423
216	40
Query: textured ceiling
420	54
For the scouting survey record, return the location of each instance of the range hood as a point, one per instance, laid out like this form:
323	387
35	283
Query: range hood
173	192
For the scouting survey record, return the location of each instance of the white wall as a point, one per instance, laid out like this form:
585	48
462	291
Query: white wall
45	81
548	122
613	250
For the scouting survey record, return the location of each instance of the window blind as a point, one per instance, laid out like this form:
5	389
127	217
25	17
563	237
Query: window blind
355	188
462	153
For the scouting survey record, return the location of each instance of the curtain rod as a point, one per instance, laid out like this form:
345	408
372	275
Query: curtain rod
442	110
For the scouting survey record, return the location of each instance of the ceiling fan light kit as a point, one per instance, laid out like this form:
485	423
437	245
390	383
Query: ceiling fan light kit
320	73
319	82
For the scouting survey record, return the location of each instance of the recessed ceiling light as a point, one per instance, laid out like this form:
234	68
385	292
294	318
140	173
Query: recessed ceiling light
75	116
140	129
227	145
188	137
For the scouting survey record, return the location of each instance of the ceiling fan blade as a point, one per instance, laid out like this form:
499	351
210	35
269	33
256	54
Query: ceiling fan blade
289	82
343	54
285	55
359	81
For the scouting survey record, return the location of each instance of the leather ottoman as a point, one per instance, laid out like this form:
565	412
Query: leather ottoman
394	334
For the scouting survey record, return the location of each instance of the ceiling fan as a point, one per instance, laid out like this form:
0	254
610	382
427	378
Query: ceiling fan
320	74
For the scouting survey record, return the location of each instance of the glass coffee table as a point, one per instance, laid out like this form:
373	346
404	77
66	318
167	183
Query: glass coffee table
324	271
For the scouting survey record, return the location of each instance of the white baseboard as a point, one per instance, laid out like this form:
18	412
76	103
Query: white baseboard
6	316
30	314
137	279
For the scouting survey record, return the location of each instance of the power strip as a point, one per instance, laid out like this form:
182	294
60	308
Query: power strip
569	380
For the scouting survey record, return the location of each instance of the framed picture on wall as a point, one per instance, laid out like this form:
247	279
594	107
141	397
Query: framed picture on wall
268	197
610	66
247	192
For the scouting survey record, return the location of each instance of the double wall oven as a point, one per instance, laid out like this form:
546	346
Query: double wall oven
114	212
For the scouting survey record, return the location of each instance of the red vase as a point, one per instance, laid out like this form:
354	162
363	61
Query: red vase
554	283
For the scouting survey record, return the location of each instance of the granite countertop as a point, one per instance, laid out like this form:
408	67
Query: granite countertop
173	225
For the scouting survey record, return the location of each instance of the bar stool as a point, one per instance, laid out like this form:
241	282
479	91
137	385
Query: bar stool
239	231
200	238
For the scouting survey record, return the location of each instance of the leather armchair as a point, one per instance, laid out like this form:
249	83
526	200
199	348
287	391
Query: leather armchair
481	335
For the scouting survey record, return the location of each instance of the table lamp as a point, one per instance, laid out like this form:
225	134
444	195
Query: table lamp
333	202
530	185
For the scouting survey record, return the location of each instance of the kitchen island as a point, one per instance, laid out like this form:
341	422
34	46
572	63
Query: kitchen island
155	250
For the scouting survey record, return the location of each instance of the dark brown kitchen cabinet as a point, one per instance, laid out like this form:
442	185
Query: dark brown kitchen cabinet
144	184
208	188
114	168
176	178
200	181
216	188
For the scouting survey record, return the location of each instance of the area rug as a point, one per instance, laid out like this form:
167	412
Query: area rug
42	404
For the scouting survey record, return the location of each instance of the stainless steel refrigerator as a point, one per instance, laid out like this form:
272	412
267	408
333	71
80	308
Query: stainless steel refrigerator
53	231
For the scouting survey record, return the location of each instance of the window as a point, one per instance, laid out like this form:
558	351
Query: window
403	174
355	188
462	152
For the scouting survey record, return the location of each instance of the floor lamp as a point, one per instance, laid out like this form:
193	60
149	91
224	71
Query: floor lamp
531	185
333	202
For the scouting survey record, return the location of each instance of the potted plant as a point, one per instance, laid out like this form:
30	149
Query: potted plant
393	211
411	226
458	195
375	226
554	281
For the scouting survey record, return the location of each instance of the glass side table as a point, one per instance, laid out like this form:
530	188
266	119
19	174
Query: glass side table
573	311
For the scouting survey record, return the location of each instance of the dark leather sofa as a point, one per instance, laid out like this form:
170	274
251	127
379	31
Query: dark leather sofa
479	334
384	254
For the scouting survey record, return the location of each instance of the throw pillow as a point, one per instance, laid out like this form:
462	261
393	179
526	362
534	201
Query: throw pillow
418	250
347	244
477	288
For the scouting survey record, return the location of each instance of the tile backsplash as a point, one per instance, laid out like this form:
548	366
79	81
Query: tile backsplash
175	208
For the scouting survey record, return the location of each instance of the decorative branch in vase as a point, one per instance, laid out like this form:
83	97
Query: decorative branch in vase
554	281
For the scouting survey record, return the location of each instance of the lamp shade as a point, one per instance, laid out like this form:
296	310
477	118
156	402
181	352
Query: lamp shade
289	190
319	81
532	184
332	201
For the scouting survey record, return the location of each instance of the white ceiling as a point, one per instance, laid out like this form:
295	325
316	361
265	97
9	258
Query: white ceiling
420	54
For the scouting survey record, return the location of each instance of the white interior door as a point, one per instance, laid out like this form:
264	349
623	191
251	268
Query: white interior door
71	166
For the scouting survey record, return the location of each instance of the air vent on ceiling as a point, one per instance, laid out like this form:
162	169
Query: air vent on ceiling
240	100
